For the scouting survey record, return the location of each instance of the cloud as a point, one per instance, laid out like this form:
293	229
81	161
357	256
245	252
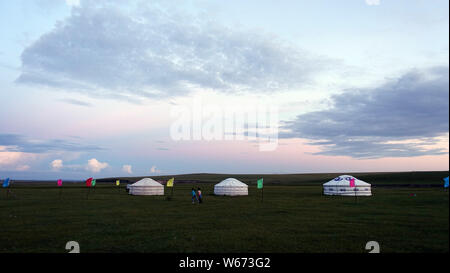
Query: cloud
15	160
127	169
22	168
73	3
404	117
373	2
19	143
76	102
56	164
103	51
153	169
95	166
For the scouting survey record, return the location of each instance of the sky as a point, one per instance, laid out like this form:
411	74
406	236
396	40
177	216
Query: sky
143	88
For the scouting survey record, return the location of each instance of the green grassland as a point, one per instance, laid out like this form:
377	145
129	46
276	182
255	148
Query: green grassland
293	217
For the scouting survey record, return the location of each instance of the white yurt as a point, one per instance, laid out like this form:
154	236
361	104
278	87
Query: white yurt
146	186
232	187
341	186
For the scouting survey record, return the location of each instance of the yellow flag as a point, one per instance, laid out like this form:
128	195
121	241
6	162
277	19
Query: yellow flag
117	182
170	182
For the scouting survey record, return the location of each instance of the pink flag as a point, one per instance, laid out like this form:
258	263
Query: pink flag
352	183
89	182
59	182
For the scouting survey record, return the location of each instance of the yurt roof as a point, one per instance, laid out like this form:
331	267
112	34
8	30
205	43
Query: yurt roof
344	180
231	182
146	182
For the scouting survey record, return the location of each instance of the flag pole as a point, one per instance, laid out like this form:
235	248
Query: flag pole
262	195
260	185
9	188
6	185
170	183
118	185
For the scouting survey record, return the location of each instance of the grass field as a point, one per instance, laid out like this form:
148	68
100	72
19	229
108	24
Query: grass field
292	218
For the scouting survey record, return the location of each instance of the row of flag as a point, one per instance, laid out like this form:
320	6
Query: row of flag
90	182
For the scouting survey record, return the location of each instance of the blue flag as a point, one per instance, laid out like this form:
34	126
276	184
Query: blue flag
446	182
6	183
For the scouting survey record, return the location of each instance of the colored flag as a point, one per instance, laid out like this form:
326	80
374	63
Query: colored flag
446	182
93	183
260	183
89	182
170	182
59	182
6	183
117	182
352	183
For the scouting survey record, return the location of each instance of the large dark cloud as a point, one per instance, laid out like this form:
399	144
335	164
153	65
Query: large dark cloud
19	143
103	51
381	122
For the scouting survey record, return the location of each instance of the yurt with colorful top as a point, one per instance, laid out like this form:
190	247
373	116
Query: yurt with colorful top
347	185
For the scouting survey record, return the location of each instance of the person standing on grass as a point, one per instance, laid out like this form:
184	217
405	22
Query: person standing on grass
200	196
194	196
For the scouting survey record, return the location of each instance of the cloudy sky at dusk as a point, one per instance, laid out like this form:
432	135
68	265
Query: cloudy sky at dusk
92	88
